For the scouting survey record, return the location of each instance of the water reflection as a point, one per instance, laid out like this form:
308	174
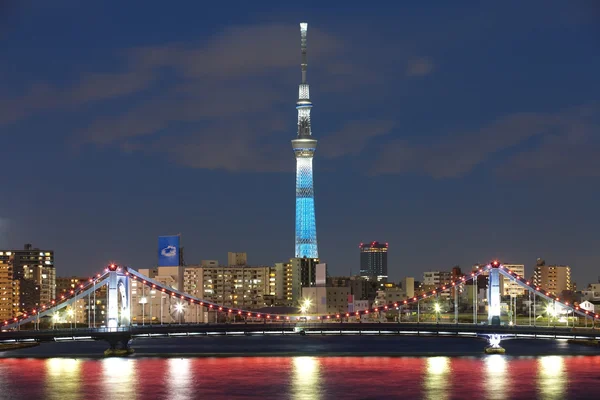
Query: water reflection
437	378
495	381
63	378
306	378
551	377
119	380
180	379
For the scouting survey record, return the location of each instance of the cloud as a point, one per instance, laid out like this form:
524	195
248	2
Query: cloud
419	67
225	101
93	87
569	152
353	137
459	153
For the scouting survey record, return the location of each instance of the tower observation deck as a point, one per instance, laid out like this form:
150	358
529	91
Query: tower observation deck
304	148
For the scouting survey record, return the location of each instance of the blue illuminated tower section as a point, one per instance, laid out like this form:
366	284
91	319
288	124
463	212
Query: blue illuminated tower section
304	148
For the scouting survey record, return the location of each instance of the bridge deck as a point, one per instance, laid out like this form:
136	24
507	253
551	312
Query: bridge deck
421	329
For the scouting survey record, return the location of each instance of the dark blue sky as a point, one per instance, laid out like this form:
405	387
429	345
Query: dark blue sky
456	132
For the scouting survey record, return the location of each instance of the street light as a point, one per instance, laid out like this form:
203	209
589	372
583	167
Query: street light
437	309
550	311
70	313
179	309
305	306
55	319
143	302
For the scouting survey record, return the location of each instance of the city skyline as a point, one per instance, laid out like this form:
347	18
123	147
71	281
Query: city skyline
456	142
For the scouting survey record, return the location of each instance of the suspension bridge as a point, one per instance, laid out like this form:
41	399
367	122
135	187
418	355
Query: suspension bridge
118	330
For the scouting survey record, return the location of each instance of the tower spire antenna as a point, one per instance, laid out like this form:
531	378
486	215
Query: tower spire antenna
303	31
304	149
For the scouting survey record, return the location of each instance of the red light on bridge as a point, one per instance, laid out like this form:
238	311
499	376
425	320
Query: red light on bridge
337	315
113	267
220	308
277	317
268	316
210	306
230	310
347	314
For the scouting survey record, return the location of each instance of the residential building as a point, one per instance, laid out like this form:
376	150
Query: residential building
283	284
325	299
304	274
389	295
65	284
9	292
361	288
553	278
509	287
408	285
34	270
209	263
436	278
592	293
237	259
373	260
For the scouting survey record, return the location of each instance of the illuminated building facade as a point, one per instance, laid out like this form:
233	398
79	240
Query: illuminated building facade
304	274
9	291
373	260
34	271
553	278
304	149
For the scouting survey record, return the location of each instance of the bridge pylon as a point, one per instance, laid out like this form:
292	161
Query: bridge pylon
118	298
494	294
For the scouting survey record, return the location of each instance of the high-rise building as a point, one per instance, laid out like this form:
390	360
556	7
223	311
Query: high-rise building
553	278
34	270
436	278
9	292
304	148
304	274
373	260
64	285
237	259
408	285
283	283
510	287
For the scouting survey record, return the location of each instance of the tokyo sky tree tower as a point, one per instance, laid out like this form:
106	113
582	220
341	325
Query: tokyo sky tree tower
304	148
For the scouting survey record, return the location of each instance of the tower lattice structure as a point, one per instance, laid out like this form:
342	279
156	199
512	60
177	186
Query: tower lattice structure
304	148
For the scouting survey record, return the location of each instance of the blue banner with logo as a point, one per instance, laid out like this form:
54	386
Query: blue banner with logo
168	251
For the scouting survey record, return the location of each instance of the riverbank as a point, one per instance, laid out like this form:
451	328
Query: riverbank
17	346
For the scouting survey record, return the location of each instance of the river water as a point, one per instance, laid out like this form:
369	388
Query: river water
312	368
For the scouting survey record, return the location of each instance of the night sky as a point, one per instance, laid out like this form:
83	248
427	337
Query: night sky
457	132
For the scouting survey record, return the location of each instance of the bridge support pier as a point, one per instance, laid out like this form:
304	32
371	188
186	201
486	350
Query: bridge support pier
119	346
494	345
